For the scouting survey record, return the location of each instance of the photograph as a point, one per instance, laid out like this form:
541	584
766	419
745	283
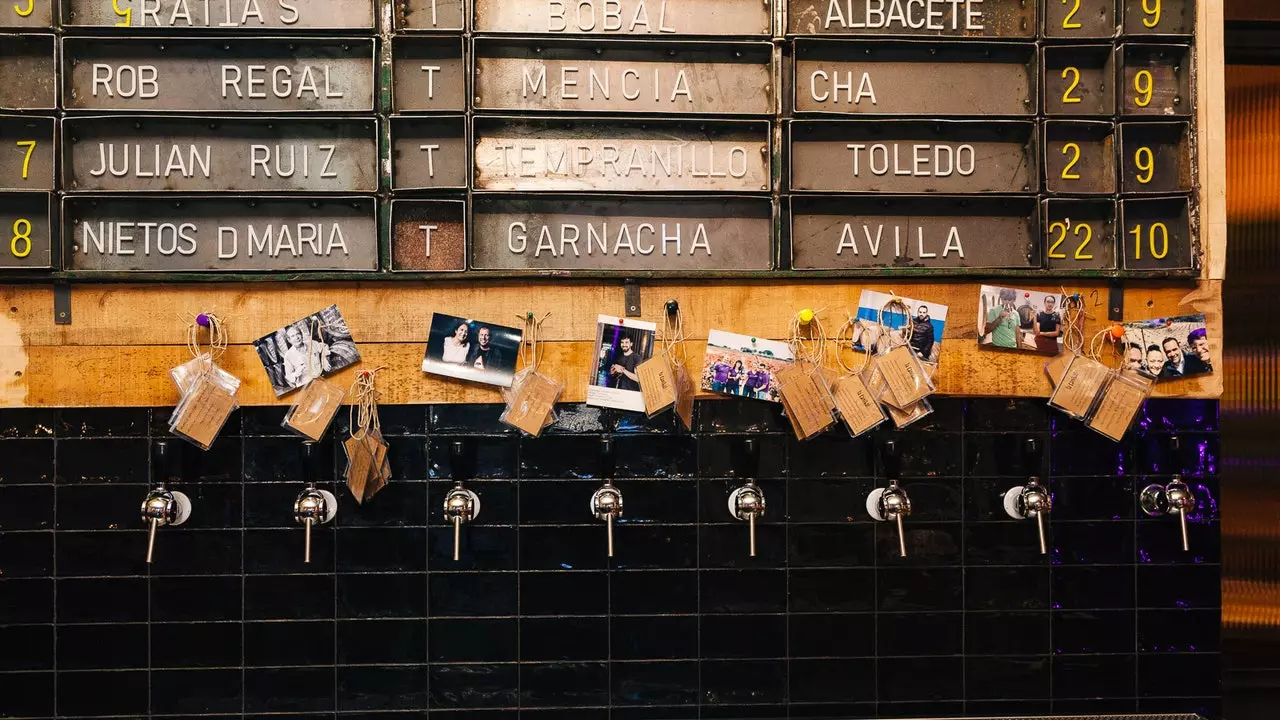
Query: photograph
744	366
621	345
472	350
1025	320
1168	348
317	345
927	323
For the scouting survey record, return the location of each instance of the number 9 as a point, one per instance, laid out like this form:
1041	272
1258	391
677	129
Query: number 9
1152	13
1146	162
1143	82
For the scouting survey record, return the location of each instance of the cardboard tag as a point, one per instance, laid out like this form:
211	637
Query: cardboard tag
685	393
806	399
202	413
857	406
380	468
903	373
359	465
656	384
1057	367
906	416
1081	382
1120	403
314	409
532	403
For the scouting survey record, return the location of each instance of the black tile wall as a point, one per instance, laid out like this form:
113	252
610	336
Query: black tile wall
534	622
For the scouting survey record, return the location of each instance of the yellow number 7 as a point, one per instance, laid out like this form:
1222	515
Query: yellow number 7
30	145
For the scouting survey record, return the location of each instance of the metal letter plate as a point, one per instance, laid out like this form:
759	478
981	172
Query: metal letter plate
232	15
1079	80
1170	17
671	77
1155	158
1153	219
626	234
430	15
27	14
1080	157
1090	19
26	162
26	215
989	19
176	234
847	233
914	156
1169	67
621	155
219	154
646	18
429	152
27	65
428	235
231	75
914	78
1080	234
428	73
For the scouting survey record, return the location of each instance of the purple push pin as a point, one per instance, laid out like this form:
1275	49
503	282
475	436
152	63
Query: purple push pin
202	320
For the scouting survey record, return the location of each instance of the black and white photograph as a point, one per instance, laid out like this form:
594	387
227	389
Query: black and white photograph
926	322
1168	348
473	350
622	345
1025	320
317	345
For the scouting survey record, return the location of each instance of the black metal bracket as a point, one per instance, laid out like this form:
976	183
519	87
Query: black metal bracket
1115	301
62	303
631	297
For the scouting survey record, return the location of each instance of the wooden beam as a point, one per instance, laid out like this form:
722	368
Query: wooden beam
1211	119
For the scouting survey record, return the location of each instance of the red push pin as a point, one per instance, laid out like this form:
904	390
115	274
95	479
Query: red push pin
1117	332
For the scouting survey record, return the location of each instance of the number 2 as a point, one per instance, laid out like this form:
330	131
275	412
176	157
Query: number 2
30	145
1151	12
1062	229
1066	171
1067	98
1067	24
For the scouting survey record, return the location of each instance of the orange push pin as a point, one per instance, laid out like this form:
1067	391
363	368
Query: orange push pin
1117	332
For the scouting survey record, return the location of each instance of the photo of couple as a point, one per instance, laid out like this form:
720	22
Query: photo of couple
472	350
317	345
1028	320
1168	348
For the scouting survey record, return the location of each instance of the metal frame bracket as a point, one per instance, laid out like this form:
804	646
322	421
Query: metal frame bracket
62	303
1115	301
631	297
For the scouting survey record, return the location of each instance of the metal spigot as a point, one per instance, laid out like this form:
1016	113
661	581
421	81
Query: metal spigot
746	502
891	503
1033	499
460	504
163	507
606	503
1175	498
313	505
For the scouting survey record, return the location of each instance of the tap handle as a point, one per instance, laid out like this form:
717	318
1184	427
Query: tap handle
902	536
890	460
1044	545
608	461
1032	458
151	538
457	536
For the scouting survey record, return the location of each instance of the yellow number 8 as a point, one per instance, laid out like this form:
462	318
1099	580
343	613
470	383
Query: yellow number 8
21	233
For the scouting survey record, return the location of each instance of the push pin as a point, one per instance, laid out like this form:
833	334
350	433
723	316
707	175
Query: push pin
805	316
202	320
673	308
606	503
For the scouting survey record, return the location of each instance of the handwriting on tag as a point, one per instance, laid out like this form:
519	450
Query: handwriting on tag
1120	403
204	411
531	403
656	384
314	409
806	399
857	407
1080	384
905	376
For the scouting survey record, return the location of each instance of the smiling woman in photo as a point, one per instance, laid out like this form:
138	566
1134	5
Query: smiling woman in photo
456	346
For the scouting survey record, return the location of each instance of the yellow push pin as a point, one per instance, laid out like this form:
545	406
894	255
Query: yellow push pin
806	316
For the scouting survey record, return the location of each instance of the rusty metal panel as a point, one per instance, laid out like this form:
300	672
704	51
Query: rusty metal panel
1160	17
1080	19
231	15
428	235
914	156
1155	158
428	73
1080	234
1080	157
1155	80
610	155
27	15
219	75
220	154
429	152
914	78
450	15
28	66
29	143
855	233
26	220
623	233
1079	80
926	18
180	234
646	18
671	77
1156	234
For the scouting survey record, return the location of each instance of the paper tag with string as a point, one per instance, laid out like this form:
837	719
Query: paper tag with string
802	384
368	469
320	400
1119	403
1084	377
857	407
532	397
208	392
904	373
1073	315
657	375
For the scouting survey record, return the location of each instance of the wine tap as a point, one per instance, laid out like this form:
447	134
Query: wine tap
890	503
1175	498
746	502
460	504
313	506
606	503
1033	499
163	507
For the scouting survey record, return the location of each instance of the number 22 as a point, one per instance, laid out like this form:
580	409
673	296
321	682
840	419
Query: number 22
1079	254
